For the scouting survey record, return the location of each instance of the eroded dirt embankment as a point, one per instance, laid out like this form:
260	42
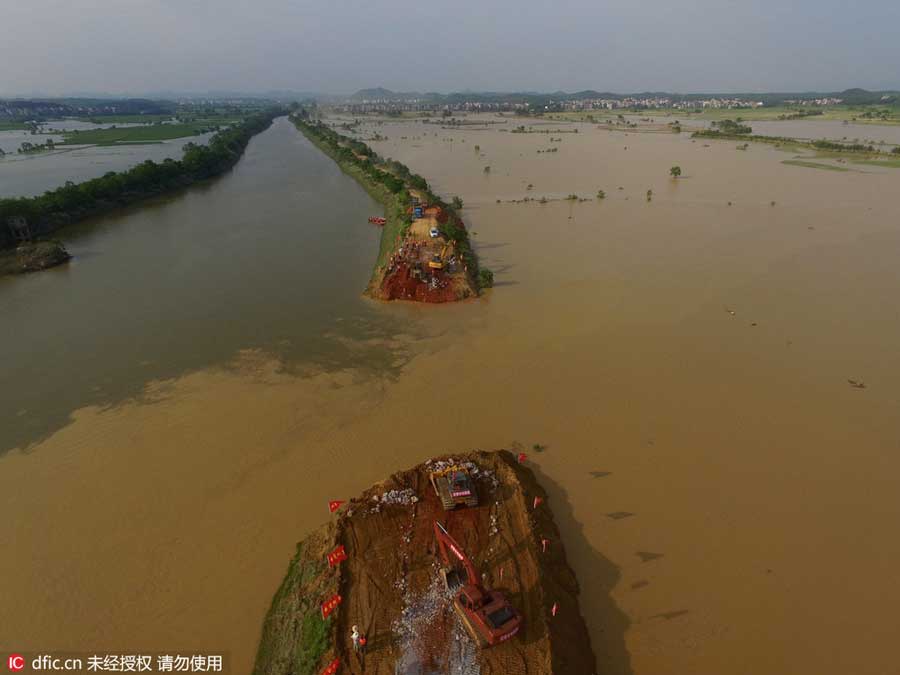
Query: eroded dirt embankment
33	257
390	585
407	275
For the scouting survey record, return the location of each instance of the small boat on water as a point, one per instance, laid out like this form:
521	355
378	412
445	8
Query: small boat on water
377	220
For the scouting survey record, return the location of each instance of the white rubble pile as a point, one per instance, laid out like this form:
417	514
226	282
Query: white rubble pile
405	497
419	612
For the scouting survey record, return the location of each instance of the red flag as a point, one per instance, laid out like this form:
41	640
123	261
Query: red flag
332	667
330	605
335	505
537	502
544	544
554	609
522	457
337	556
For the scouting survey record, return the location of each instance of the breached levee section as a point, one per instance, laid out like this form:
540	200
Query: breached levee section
390	585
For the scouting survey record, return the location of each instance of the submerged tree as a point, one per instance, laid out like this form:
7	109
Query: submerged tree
485	278
457	203
675	171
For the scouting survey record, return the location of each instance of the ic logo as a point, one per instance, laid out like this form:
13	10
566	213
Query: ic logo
15	662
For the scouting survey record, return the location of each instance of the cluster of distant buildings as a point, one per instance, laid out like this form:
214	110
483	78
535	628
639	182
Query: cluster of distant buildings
26	110
396	106
656	102
35	109
388	107
815	101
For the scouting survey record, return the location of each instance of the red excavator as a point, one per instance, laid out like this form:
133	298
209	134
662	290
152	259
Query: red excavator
487	615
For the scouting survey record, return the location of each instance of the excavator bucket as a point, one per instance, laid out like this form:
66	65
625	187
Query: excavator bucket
453	579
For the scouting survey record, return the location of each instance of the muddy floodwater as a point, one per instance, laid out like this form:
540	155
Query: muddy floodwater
181	402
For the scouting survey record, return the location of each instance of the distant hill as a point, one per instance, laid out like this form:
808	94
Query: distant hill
862	96
382	94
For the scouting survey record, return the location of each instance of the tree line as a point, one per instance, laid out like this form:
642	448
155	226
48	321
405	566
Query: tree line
75	201
397	178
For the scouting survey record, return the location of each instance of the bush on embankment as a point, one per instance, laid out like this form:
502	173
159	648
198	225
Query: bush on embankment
73	202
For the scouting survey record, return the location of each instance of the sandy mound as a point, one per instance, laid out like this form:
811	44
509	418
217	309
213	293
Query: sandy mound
391	588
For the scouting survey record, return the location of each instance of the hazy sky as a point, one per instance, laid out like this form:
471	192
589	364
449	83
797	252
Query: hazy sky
338	46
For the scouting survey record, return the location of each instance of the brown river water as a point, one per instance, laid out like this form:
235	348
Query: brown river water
181	402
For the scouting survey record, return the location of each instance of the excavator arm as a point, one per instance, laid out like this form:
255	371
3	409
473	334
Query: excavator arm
452	555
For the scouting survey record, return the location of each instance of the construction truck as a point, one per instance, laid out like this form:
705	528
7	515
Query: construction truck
454	487
488	617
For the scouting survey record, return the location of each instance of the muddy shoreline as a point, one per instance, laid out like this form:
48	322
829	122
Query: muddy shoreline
33	257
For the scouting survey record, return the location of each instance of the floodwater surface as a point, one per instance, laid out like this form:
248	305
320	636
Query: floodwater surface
726	495
834	130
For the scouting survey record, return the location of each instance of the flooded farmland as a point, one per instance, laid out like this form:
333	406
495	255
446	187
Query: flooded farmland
685	360
34	174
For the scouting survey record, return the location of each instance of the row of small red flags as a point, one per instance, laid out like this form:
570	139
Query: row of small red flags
332	667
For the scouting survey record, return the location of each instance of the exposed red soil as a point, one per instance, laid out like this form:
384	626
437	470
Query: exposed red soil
391	587
400	284
407	276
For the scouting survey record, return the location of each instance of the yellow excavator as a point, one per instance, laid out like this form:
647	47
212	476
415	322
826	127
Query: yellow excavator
437	260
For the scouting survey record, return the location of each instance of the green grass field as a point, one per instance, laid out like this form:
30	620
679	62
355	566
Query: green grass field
212	121
12	126
813	165
888	163
134	135
125	119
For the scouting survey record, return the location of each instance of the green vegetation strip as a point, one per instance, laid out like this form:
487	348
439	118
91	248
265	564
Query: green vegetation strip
124	119
833	148
153	133
295	637
813	165
887	163
390	183
73	202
